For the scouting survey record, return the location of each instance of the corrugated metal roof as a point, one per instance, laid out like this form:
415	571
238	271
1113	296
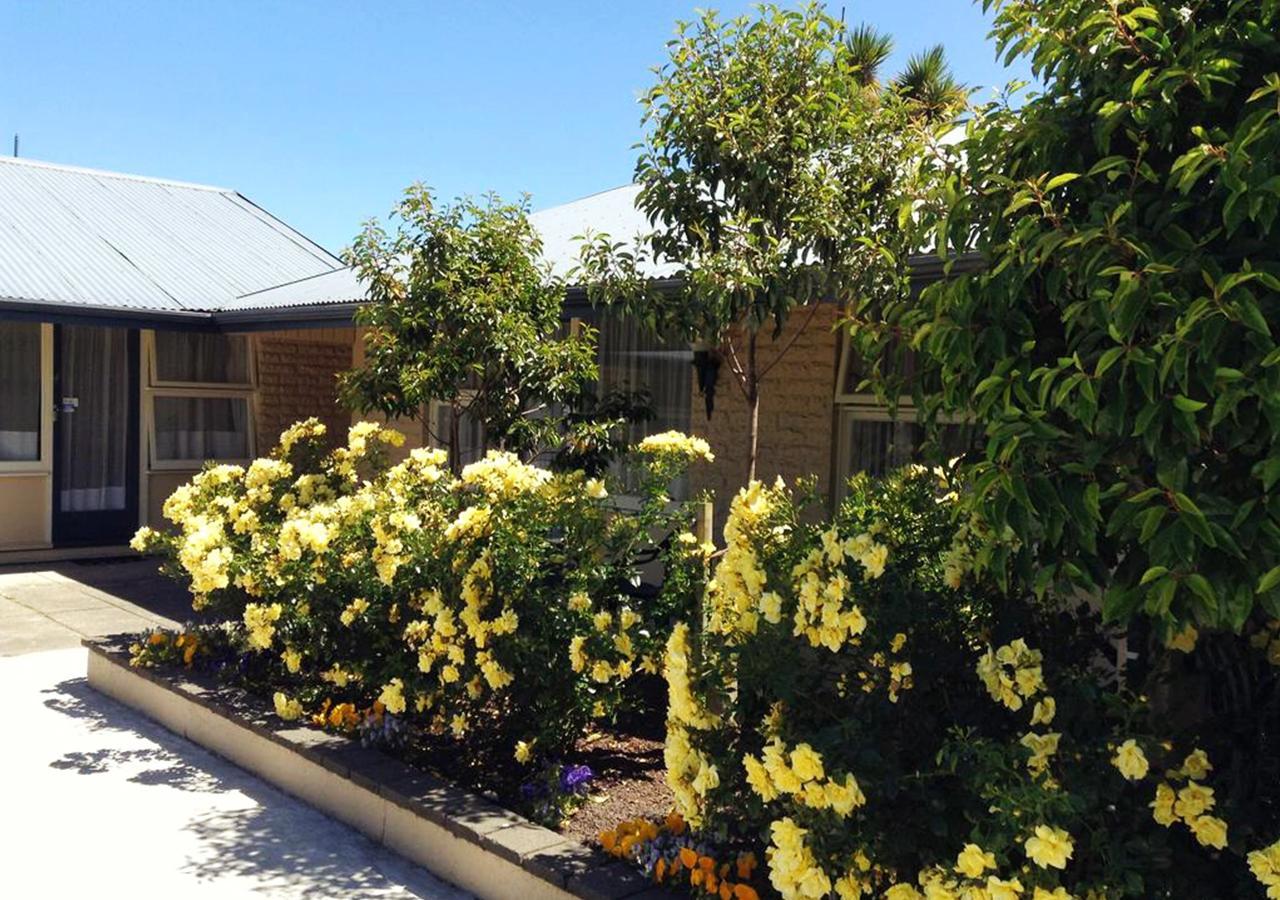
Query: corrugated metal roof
336	286
104	240
612	212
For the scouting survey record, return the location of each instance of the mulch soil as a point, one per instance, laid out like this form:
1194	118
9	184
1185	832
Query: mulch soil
628	784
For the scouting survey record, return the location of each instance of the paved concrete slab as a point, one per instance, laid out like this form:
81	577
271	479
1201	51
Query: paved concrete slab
50	606
101	802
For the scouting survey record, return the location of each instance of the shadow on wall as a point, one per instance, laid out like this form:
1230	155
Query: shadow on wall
249	830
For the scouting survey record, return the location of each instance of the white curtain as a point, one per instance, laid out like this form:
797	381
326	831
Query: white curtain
19	391
94	447
201	428
199	358
634	358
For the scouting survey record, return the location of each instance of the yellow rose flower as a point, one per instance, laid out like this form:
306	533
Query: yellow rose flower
1049	847
1131	761
973	861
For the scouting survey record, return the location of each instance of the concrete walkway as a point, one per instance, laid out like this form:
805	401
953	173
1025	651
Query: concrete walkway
99	801
51	606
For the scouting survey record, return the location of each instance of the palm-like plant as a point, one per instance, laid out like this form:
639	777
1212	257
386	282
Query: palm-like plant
866	51
926	81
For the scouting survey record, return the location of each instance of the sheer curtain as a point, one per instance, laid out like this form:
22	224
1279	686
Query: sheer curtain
201	428
634	358
19	391
200	358
94	445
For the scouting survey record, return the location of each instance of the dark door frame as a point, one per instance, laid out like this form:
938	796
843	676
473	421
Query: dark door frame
110	527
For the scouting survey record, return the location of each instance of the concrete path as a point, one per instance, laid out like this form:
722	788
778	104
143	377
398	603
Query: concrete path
51	606
98	801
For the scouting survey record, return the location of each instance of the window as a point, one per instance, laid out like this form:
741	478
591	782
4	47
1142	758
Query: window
198	358
201	394
470	430
199	428
634	358
870	439
20	391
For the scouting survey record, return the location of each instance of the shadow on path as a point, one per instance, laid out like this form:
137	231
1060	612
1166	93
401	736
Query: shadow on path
247	829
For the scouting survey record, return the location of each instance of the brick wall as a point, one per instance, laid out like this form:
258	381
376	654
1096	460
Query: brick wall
796	416
296	380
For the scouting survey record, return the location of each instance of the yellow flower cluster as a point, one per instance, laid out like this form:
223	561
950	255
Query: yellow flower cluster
502	476
363	438
823	614
1012	673
260	622
307	430
736	595
392	696
793	870
690	774
800	774
1265	865
1043	747
1191	803
286	708
443	636
677	444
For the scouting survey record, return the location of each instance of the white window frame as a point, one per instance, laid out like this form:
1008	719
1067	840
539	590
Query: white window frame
43	463
154	388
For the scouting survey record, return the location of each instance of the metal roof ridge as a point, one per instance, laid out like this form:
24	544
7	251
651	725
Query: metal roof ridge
285	284
109	173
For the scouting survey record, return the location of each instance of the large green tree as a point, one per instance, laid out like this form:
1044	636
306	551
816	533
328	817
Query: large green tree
1119	346
773	170
463	310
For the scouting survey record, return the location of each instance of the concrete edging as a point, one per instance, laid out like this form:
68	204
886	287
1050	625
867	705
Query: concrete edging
467	840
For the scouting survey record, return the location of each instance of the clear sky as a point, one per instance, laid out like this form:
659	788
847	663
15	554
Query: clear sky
322	112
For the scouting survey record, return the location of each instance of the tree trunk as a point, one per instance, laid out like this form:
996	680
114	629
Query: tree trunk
753	406
455	449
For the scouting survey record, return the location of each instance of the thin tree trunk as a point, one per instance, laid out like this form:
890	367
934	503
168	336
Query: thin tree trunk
455	448
753	405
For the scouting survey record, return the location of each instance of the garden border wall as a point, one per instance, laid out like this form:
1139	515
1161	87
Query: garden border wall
465	839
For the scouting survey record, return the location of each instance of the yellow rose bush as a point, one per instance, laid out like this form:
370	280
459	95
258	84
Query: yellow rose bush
501	608
873	723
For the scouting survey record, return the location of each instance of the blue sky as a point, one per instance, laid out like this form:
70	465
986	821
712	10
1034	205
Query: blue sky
323	112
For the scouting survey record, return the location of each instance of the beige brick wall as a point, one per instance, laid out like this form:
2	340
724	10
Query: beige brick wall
296	380
796	415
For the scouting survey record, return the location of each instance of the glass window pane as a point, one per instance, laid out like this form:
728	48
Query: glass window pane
201	428
633	358
876	447
470	433
198	358
19	391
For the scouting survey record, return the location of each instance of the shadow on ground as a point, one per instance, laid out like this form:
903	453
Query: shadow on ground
248	829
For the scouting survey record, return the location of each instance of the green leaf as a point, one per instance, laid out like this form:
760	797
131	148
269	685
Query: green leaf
1268	581
1186	404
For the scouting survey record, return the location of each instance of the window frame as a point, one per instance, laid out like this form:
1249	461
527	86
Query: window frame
153	367
43	463
155	388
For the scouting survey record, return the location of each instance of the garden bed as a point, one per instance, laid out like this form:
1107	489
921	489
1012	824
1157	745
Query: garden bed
460	836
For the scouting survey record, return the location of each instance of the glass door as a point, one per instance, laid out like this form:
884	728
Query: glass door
95	435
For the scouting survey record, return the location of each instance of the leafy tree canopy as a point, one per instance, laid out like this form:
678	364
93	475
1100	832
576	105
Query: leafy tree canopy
463	310
1119	346
772	177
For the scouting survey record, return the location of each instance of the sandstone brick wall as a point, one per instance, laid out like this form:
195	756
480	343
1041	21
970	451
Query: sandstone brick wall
796	413
296	380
